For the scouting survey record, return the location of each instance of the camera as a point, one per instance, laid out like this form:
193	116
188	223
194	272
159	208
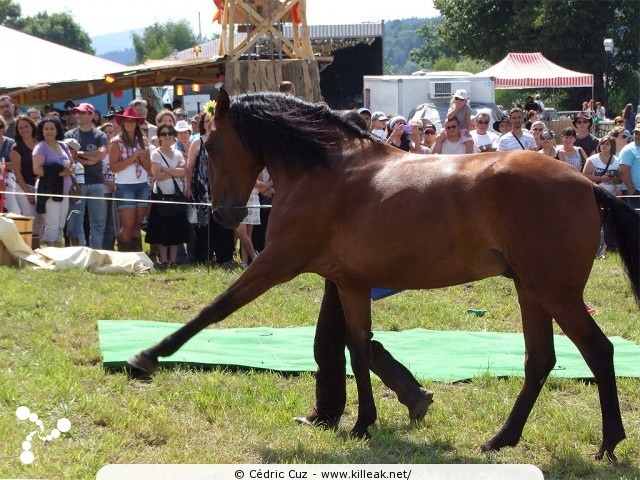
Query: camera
407	129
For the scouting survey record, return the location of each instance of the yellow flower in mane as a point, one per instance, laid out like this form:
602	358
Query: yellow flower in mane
210	107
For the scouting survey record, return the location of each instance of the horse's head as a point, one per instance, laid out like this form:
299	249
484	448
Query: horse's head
233	168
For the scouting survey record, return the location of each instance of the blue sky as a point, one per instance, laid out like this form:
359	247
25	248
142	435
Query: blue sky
99	18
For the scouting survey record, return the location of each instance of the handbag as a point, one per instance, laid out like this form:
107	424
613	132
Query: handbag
75	191
166	210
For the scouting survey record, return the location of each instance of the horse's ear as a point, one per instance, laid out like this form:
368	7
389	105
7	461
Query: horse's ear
222	104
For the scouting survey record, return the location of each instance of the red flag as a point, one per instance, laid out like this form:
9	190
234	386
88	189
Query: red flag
220	6
295	13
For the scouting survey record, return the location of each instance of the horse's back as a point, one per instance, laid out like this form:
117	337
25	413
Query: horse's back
442	220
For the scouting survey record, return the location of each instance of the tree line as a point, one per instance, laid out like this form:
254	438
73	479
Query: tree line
470	35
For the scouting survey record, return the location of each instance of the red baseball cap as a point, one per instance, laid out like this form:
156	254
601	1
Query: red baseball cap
84	108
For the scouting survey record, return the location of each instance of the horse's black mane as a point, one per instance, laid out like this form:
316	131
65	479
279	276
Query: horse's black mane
296	131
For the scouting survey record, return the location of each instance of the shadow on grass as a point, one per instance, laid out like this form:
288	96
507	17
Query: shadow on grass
385	446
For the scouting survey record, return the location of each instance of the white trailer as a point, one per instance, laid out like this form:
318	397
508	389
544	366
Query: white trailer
400	94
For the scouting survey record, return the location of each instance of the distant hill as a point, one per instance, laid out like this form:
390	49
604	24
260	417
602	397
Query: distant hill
113	42
125	57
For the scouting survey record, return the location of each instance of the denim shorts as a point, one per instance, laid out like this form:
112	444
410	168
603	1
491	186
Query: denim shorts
132	191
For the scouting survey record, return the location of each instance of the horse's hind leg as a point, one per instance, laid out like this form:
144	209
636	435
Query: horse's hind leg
597	351
328	351
357	311
537	326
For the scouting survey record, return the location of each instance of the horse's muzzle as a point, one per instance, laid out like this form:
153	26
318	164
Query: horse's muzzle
229	217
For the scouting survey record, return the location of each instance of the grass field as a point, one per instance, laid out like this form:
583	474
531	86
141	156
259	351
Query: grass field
50	362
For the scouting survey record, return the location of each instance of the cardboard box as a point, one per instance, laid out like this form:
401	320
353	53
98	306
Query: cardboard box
25	228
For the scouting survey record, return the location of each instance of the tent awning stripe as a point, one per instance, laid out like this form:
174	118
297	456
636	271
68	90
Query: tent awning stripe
530	70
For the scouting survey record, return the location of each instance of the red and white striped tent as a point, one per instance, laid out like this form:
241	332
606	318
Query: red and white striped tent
532	70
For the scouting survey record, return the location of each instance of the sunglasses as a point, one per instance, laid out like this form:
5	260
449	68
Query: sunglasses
624	136
480	122
166	134
181	115
451	127
578	122
546	137
429	132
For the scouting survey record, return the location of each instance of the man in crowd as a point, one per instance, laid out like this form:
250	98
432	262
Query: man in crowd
288	88
630	167
180	113
502	126
7	110
451	141
516	139
483	139
541	112
584	139
34	114
142	110
93	149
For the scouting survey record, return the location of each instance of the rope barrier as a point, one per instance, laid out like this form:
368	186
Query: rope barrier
114	199
167	202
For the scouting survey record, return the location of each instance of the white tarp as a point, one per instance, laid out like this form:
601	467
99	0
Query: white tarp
30	61
81	258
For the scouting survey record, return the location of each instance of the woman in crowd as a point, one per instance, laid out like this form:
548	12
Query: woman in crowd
620	136
568	152
536	130
22	167
164	117
244	230
52	164
183	142
211	240
129	160
6	144
112	227
460	109
168	169
602	168
547	147
396	136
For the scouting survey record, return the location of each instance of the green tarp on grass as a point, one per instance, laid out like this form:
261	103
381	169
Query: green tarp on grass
435	355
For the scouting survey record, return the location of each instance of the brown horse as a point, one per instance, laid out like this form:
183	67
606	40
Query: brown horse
363	214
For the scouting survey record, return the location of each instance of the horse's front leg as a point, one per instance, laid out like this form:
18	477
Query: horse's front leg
264	273
357	311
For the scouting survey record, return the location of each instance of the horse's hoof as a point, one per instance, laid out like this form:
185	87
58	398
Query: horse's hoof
602	452
311	421
303	421
144	362
359	434
496	443
418	410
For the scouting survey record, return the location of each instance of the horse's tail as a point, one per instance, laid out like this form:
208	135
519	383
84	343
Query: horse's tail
626	222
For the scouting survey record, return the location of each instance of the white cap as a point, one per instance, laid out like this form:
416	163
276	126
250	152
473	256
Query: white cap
460	94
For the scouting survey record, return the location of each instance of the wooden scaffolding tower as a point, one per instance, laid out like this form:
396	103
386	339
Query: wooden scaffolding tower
266	56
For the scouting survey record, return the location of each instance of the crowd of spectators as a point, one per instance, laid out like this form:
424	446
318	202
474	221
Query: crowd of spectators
121	160
612	161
